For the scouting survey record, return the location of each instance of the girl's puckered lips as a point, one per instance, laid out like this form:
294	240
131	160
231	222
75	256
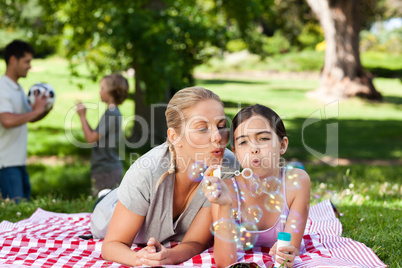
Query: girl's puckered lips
255	162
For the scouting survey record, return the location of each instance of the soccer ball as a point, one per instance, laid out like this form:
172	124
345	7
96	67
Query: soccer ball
39	89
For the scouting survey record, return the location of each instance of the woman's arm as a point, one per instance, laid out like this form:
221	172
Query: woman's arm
122	230
225	251
194	242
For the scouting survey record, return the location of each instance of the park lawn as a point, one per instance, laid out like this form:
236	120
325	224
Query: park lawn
367	195
368	198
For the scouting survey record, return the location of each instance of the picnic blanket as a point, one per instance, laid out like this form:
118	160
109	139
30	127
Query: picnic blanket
51	240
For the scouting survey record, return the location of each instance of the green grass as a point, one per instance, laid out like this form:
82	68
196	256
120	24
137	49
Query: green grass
369	196
12	212
364	127
369	200
380	64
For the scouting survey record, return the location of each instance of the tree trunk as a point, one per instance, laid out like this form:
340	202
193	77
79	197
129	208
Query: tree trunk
150	122
343	75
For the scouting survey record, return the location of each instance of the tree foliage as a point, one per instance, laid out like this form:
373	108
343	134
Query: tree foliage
162	40
23	19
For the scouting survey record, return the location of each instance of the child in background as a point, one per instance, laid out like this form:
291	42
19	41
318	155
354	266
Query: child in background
273	199
106	167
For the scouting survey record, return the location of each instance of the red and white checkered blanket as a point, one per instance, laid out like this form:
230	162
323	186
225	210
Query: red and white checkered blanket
50	240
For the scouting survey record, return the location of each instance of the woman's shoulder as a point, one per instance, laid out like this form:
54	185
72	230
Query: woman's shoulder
155	155
156	161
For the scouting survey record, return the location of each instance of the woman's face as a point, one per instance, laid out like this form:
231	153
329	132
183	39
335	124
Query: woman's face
203	136
257	146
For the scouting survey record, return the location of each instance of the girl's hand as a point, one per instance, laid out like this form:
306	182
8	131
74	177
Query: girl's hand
214	189
81	109
156	254
288	253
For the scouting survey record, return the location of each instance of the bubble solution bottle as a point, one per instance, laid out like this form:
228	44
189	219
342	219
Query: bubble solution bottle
283	241
217	172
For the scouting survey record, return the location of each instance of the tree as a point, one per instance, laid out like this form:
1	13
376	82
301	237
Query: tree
161	40
342	74
21	19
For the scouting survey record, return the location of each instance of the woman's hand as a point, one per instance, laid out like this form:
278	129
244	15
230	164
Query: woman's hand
139	257
214	189
288	253
154	254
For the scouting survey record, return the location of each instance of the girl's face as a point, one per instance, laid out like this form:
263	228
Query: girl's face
104	92
203	136
257	146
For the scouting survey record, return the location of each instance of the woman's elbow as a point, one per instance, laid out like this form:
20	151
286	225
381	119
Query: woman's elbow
105	253
225	260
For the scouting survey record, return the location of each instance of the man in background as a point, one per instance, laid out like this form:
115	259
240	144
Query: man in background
15	112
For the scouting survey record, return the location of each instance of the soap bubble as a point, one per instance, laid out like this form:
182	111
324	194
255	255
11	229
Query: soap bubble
294	221
295	164
210	187
255	185
225	229
292	179
247	237
234	214
281	223
271	185
242	196
274	203
252	214
196	172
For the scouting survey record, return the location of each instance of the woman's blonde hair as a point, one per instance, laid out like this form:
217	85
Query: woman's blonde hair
117	87
175	115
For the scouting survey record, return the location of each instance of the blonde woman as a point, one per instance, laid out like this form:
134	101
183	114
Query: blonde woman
157	201
106	167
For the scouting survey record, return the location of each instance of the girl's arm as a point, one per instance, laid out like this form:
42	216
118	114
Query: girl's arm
299	209
122	230
296	221
194	242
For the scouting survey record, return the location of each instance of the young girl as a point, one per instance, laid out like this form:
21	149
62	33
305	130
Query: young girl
106	167
282	196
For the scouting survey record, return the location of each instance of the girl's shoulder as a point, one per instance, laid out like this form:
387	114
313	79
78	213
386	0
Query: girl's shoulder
296	175
297	185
